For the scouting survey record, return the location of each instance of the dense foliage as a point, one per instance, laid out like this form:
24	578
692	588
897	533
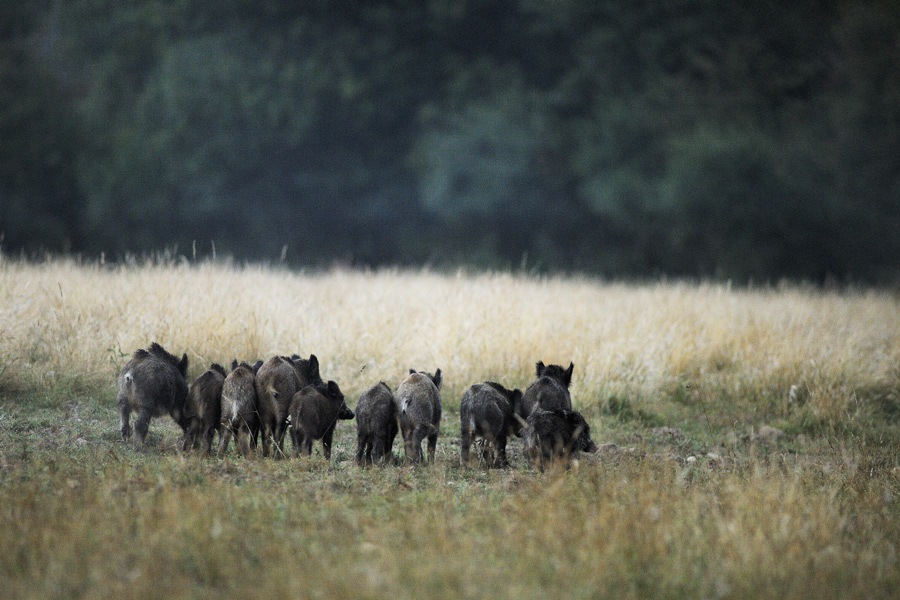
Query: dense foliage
751	140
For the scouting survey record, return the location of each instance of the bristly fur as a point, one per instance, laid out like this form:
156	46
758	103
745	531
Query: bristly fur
151	384
278	380
550	390
492	412
240	415
315	411
376	424
419	411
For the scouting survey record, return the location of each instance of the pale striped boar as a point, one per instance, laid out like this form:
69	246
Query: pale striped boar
492	412
419	411
240	416
315	411
279	378
376	424
151	384
203	409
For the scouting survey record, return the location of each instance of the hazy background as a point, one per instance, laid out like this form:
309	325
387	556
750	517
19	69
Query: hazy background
750	140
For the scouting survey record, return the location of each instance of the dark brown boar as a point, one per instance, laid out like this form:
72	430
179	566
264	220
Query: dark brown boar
419	411
376	424
203	409
315	411
279	378
555	435
151	384
550	390
240	413
492	412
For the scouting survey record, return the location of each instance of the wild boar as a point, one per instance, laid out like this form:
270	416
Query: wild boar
240	413
376	424
203	409
492	412
555	435
152	383
315	411
550	390
279	378
419	410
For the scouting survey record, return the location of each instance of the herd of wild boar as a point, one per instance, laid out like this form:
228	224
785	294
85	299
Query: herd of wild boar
286	393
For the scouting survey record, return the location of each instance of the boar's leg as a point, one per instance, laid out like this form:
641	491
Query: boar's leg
296	439
280	430
267	431
224	439
414	446
243	440
386	452
326	442
378	449
432	446
141	427
124	415
465	442
410	446
363	449
208	439
188	442
192	435
306	443
254	435
500	460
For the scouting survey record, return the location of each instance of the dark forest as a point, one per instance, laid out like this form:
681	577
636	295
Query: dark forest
753	141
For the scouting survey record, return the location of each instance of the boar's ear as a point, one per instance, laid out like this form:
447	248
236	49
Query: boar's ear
567	374
539	368
437	378
256	366
295	357
313	367
412	371
234	364
183	365
333	389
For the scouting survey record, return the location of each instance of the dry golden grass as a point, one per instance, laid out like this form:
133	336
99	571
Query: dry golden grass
642	342
814	513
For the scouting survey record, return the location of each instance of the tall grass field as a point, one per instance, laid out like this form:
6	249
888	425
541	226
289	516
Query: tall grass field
749	439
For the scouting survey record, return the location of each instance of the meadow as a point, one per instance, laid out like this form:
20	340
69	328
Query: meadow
750	439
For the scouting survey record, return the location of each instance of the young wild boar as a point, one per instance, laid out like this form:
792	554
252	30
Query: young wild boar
418	401
203	409
376	424
152	383
315	411
550	390
556	435
279	378
489	410
240	416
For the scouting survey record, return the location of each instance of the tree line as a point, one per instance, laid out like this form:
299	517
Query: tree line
699	138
